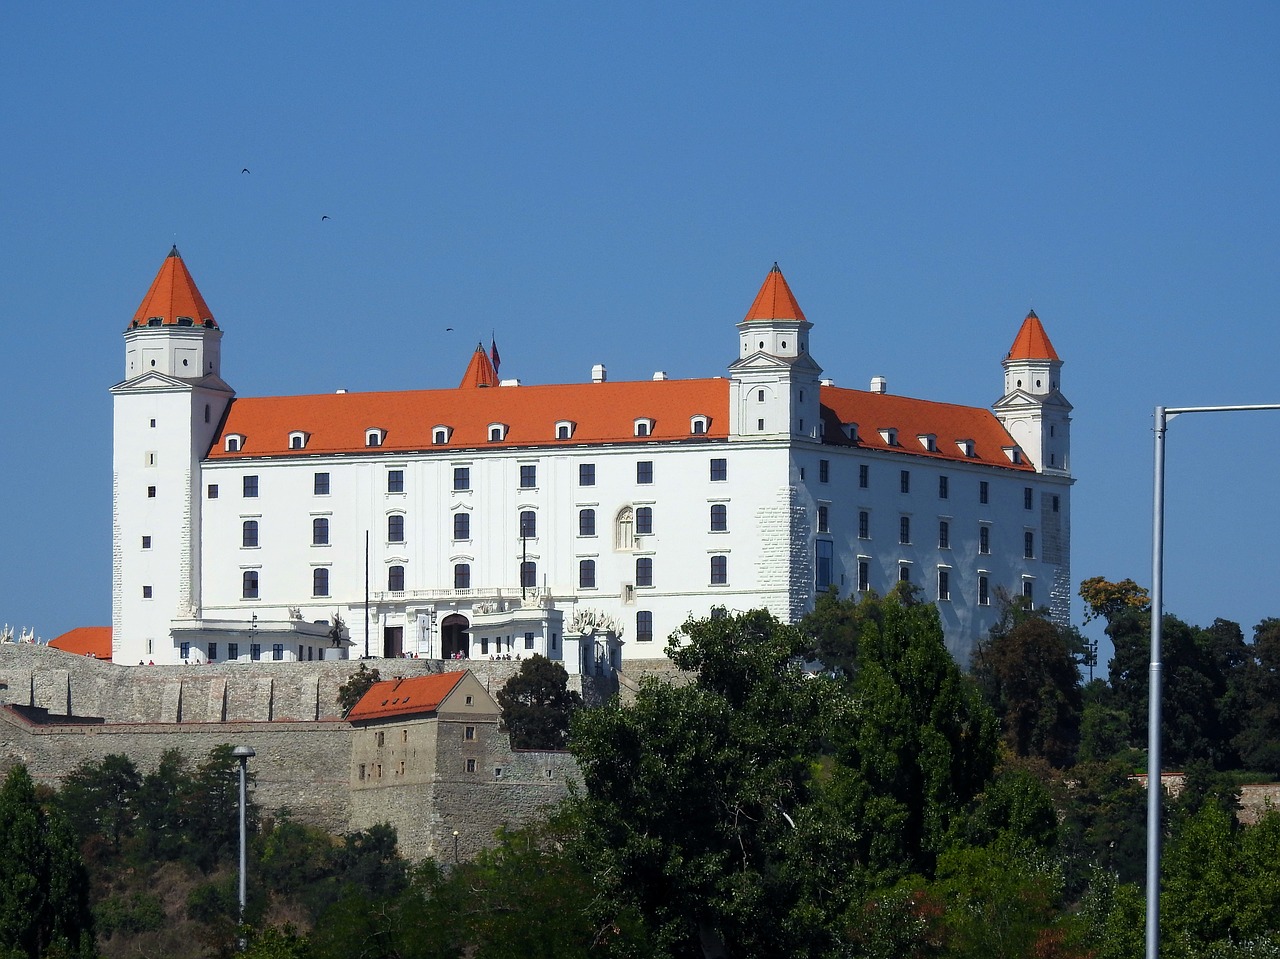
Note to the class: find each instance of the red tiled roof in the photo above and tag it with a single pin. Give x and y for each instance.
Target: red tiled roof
(775, 300)
(603, 412)
(405, 697)
(1032, 342)
(173, 296)
(480, 371)
(914, 418)
(84, 640)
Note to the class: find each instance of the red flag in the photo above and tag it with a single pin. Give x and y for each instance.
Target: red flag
(493, 354)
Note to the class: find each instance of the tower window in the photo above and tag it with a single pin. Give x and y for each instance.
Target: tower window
(395, 528)
(395, 481)
(586, 474)
(719, 570)
(461, 478)
(644, 626)
(944, 534)
(904, 480)
(644, 521)
(719, 470)
(395, 579)
(587, 522)
(864, 576)
(249, 487)
(151, 492)
(984, 591)
(984, 492)
(644, 571)
(146, 542)
(528, 476)
(824, 471)
(249, 534)
(321, 484)
(644, 472)
(1029, 545)
(249, 584)
(944, 585)
(943, 487)
(320, 581)
(864, 476)
(824, 519)
(1027, 497)
(984, 540)
(904, 529)
(720, 517)
(461, 525)
(864, 524)
(462, 576)
(528, 524)
(528, 574)
(320, 531)
(587, 574)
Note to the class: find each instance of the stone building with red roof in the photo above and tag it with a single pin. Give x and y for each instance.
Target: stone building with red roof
(583, 521)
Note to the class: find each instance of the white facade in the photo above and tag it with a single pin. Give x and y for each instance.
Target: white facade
(624, 508)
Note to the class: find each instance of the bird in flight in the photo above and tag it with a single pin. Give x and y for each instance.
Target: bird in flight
(448, 329)
(324, 218)
(245, 170)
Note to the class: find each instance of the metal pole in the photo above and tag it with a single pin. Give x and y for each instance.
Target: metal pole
(1154, 784)
(366, 594)
(242, 753)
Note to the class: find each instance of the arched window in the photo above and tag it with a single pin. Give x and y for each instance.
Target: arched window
(320, 531)
(587, 574)
(719, 517)
(529, 574)
(586, 522)
(644, 571)
(644, 521)
(249, 533)
(395, 579)
(320, 581)
(249, 584)
(625, 529)
(528, 524)
(374, 437)
(395, 528)
(461, 525)
(462, 576)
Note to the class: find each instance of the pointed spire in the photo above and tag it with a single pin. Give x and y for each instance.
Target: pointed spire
(1032, 342)
(480, 370)
(173, 299)
(775, 300)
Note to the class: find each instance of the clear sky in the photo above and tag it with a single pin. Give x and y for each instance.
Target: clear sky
(610, 183)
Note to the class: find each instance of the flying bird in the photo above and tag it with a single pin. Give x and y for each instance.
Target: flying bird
(245, 170)
(324, 218)
(448, 329)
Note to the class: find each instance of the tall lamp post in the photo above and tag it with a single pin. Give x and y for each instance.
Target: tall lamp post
(1155, 787)
(242, 753)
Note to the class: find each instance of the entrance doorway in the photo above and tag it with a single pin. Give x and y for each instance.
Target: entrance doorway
(453, 636)
(393, 641)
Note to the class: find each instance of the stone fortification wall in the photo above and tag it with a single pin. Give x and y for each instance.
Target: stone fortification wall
(299, 765)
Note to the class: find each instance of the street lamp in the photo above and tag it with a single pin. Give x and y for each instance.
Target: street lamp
(1154, 785)
(455, 847)
(242, 753)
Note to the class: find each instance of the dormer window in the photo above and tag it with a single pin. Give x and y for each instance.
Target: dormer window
(234, 443)
(374, 436)
(1014, 453)
(889, 435)
(564, 429)
(644, 426)
(497, 432)
(186, 321)
(851, 431)
(298, 440)
(440, 435)
(929, 441)
(966, 448)
(698, 424)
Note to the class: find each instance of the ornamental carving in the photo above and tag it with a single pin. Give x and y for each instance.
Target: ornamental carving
(588, 622)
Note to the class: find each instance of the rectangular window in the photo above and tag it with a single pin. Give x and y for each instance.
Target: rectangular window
(1055, 504)
(249, 534)
(586, 522)
(644, 521)
(644, 626)
(146, 592)
(644, 472)
(250, 487)
(395, 528)
(151, 492)
(904, 529)
(213, 491)
(864, 476)
(942, 487)
(904, 573)
(255, 651)
(904, 480)
(528, 640)
(824, 519)
(395, 481)
(586, 574)
(184, 650)
(984, 492)
(944, 584)
(528, 574)
(461, 478)
(824, 564)
(944, 534)
(395, 579)
(824, 471)
(1027, 496)
(864, 576)
(320, 582)
(719, 517)
(719, 470)
(321, 485)
(461, 525)
(984, 592)
(211, 651)
(146, 542)
(471, 765)
(1027, 594)
(528, 524)
(462, 576)
(984, 540)
(1029, 545)
(320, 531)
(249, 584)
(470, 733)
(864, 524)
(719, 570)
(528, 476)
(644, 571)
(277, 651)
(586, 474)
(233, 651)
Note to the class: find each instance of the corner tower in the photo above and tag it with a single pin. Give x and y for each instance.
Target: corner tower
(773, 392)
(1033, 409)
(167, 411)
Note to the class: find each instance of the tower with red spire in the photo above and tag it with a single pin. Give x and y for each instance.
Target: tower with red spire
(167, 412)
(1033, 409)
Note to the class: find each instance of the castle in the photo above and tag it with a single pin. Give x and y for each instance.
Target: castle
(581, 521)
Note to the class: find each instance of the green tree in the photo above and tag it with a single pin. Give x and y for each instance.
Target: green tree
(1108, 600)
(101, 799)
(357, 684)
(537, 705)
(1258, 741)
(1029, 673)
(44, 906)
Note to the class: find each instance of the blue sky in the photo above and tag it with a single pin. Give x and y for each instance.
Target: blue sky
(610, 183)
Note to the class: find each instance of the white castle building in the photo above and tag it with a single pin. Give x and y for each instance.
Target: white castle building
(581, 521)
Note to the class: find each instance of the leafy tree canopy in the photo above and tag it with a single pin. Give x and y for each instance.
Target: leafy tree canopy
(537, 705)
(357, 684)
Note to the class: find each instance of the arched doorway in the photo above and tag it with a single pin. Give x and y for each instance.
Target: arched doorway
(453, 636)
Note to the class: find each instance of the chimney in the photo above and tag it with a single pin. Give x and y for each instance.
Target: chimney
(660, 375)
(342, 390)
(598, 373)
(826, 382)
(879, 384)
